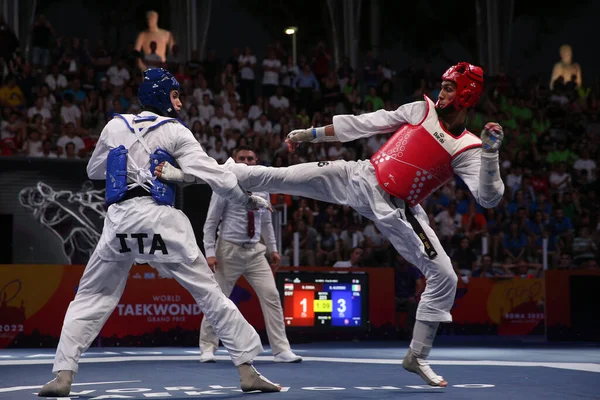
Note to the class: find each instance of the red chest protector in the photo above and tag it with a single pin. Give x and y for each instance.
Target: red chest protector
(417, 159)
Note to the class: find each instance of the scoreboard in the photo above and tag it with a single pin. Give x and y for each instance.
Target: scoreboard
(324, 300)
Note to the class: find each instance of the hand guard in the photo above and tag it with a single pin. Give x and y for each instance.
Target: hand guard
(491, 137)
(174, 174)
(256, 202)
(171, 173)
(301, 135)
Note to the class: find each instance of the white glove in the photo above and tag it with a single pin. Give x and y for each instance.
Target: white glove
(301, 135)
(491, 137)
(257, 202)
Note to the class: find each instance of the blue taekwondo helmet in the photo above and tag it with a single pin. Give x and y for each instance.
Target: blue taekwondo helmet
(154, 93)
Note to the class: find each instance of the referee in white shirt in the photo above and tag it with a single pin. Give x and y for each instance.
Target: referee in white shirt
(238, 252)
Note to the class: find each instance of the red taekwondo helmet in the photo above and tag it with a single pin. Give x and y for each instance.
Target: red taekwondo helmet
(469, 84)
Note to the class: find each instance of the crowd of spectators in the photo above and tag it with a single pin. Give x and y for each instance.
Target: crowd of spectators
(55, 101)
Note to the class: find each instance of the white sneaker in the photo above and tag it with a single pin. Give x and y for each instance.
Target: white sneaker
(207, 357)
(287, 357)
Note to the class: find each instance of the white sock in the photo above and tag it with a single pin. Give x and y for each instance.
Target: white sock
(423, 335)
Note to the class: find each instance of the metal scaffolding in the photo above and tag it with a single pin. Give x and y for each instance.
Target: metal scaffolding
(494, 33)
(18, 14)
(190, 25)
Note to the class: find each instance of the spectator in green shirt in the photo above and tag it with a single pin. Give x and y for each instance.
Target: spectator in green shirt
(561, 154)
(508, 121)
(351, 85)
(540, 123)
(526, 138)
(374, 99)
(475, 122)
(521, 111)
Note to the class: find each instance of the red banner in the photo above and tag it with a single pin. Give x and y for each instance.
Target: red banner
(516, 306)
(34, 300)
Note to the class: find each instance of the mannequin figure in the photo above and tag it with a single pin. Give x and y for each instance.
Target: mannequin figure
(163, 38)
(566, 67)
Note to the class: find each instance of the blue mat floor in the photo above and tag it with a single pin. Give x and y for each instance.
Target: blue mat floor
(329, 371)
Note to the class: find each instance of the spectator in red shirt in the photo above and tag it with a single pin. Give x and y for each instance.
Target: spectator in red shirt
(539, 180)
(474, 223)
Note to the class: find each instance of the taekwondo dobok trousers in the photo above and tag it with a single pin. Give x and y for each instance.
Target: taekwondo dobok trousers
(139, 230)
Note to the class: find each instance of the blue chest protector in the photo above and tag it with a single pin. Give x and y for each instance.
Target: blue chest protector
(163, 193)
(116, 169)
(116, 175)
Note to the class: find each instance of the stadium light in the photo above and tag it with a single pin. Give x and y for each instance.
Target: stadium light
(291, 30)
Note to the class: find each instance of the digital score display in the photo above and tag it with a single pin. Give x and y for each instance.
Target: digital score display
(323, 300)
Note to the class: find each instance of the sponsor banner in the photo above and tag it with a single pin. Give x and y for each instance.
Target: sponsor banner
(515, 306)
(150, 302)
(35, 298)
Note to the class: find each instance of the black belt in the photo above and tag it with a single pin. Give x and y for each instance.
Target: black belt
(133, 193)
(412, 220)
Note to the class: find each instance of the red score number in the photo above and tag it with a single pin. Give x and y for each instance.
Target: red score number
(303, 307)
